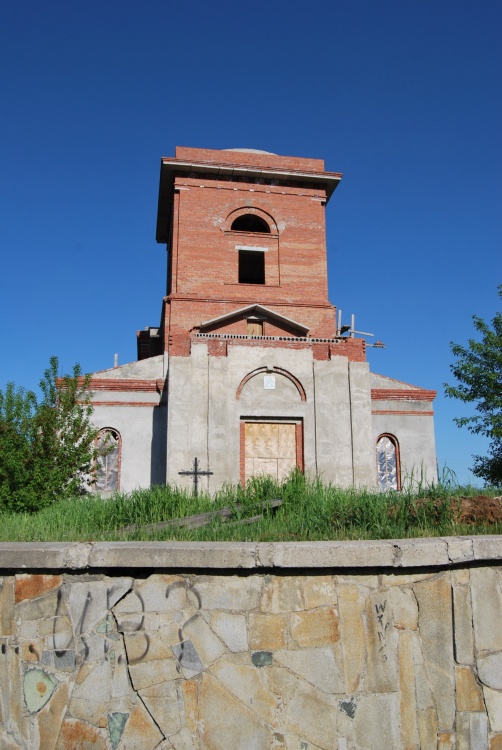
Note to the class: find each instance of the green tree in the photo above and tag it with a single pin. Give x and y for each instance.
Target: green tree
(47, 448)
(478, 370)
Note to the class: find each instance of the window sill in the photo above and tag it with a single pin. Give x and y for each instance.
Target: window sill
(262, 286)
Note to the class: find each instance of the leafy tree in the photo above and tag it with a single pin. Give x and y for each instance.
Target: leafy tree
(479, 372)
(47, 448)
(16, 428)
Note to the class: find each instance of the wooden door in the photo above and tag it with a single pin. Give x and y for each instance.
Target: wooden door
(255, 328)
(270, 449)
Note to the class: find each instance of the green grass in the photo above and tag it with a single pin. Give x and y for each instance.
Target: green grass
(310, 511)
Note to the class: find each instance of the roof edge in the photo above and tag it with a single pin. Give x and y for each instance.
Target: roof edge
(260, 308)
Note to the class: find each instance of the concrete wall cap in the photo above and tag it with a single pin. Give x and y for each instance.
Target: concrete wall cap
(384, 553)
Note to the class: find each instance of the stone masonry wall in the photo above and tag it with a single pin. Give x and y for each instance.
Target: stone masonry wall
(342, 657)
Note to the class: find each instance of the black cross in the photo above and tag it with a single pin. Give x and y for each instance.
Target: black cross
(196, 473)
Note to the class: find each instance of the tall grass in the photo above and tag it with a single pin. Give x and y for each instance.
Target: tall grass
(311, 510)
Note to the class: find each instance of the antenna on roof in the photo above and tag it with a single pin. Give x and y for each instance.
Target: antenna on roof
(351, 330)
(115, 360)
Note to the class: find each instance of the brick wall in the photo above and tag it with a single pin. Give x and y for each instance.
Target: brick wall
(271, 161)
(204, 250)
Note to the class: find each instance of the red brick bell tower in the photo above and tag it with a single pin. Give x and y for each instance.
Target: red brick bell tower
(245, 232)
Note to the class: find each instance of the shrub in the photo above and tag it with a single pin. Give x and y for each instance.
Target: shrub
(47, 447)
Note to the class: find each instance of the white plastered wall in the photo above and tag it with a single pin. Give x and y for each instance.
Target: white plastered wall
(415, 436)
(204, 414)
(140, 419)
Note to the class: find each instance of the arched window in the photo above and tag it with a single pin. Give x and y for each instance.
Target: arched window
(250, 223)
(108, 461)
(388, 469)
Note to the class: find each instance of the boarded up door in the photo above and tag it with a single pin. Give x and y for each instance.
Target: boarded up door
(255, 328)
(270, 448)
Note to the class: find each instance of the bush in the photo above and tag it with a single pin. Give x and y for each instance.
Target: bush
(47, 447)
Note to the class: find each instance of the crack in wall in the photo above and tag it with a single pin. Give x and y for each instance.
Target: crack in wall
(131, 684)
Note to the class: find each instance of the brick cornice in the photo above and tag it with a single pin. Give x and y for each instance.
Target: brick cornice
(248, 300)
(128, 386)
(400, 412)
(400, 394)
(150, 404)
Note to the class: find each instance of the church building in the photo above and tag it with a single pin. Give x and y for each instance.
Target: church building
(249, 371)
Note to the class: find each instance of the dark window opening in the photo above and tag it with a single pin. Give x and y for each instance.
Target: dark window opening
(251, 267)
(250, 223)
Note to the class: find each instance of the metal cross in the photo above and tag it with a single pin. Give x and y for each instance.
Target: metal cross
(196, 473)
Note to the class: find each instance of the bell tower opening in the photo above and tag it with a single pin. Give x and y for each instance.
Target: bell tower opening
(250, 223)
(251, 267)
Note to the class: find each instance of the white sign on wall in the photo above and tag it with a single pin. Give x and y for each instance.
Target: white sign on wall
(269, 382)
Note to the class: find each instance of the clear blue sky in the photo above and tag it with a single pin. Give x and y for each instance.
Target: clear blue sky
(402, 97)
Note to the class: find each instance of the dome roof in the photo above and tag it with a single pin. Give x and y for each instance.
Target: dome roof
(250, 151)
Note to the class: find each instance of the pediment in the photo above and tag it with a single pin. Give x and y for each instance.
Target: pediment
(288, 325)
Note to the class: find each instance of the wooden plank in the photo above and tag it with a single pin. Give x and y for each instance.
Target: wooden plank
(204, 519)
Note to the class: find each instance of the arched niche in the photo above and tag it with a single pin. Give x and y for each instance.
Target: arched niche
(270, 384)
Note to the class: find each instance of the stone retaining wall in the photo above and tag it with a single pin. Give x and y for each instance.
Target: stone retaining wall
(333, 645)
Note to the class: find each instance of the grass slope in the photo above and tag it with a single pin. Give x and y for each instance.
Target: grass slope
(310, 511)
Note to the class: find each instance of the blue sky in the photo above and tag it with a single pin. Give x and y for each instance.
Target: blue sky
(402, 97)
